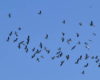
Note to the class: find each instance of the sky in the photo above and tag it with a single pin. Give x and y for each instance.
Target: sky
(15, 64)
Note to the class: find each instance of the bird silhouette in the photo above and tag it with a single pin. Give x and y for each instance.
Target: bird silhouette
(77, 34)
(40, 12)
(67, 57)
(19, 28)
(86, 65)
(91, 23)
(46, 37)
(8, 39)
(9, 15)
(62, 62)
(15, 40)
(73, 47)
(63, 21)
(41, 45)
(83, 72)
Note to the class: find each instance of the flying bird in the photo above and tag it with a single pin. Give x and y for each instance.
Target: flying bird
(91, 23)
(77, 34)
(9, 15)
(40, 12)
(86, 65)
(46, 37)
(73, 47)
(19, 28)
(83, 72)
(63, 21)
(67, 57)
(15, 40)
(62, 62)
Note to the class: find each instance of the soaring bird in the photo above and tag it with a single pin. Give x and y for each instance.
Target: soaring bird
(40, 12)
(10, 34)
(80, 23)
(86, 56)
(33, 55)
(62, 62)
(63, 33)
(9, 15)
(97, 60)
(41, 45)
(16, 33)
(8, 39)
(19, 28)
(77, 34)
(77, 61)
(67, 57)
(15, 40)
(28, 39)
(83, 72)
(91, 23)
(63, 21)
(62, 39)
(38, 60)
(53, 57)
(69, 40)
(86, 65)
(73, 47)
(46, 37)
(33, 49)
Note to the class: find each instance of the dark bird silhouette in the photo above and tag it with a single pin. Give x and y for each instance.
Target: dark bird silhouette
(62, 39)
(97, 60)
(69, 40)
(63, 33)
(41, 45)
(15, 40)
(86, 65)
(26, 50)
(91, 23)
(67, 57)
(85, 43)
(19, 45)
(46, 37)
(8, 39)
(80, 57)
(86, 56)
(40, 12)
(77, 34)
(10, 34)
(33, 49)
(38, 60)
(53, 57)
(9, 15)
(62, 62)
(96, 57)
(78, 42)
(63, 21)
(80, 23)
(77, 61)
(19, 28)
(83, 72)
(33, 55)
(16, 34)
(99, 65)
(28, 40)
(73, 47)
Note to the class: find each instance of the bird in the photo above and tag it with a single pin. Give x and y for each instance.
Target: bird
(96, 57)
(92, 57)
(8, 39)
(91, 23)
(53, 57)
(69, 40)
(46, 37)
(80, 23)
(78, 42)
(62, 39)
(62, 62)
(77, 34)
(15, 40)
(38, 60)
(16, 33)
(28, 39)
(73, 47)
(19, 28)
(9, 15)
(40, 12)
(86, 56)
(86, 65)
(67, 57)
(99, 65)
(19, 46)
(80, 57)
(10, 34)
(97, 60)
(83, 72)
(41, 45)
(63, 21)
(33, 55)
(63, 33)
(77, 61)
(33, 49)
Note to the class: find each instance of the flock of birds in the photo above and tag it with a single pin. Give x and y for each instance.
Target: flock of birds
(59, 53)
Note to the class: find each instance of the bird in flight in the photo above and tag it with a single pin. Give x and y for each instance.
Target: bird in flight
(77, 34)
(63, 21)
(83, 72)
(46, 37)
(73, 47)
(62, 62)
(19, 28)
(40, 12)
(9, 15)
(91, 23)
